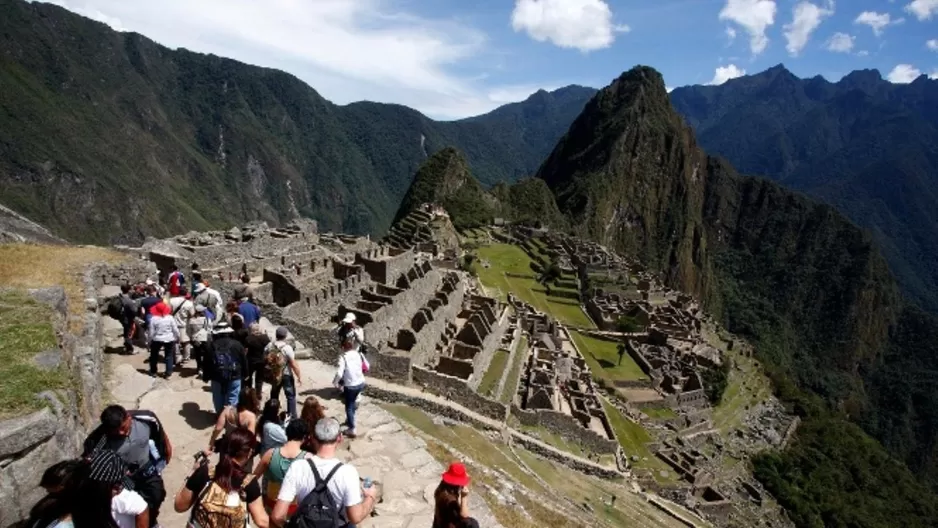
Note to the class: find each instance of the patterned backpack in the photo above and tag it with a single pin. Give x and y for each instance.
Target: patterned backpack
(217, 508)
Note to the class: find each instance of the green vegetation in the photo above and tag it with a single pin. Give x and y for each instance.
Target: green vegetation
(494, 373)
(602, 356)
(25, 331)
(716, 380)
(510, 271)
(634, 439)
(659, 413)
(552, 439)
(517, 367)
(527, 202)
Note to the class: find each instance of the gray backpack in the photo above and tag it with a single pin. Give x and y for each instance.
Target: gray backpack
(318, 509)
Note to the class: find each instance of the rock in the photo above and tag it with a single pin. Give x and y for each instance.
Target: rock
(108, 291)
(54, 297)
(48, 359)
(233, 234)
(663, 474)
(19, 434)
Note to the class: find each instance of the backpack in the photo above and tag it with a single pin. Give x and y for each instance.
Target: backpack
(318, 509)
(213, 511)
(274, 363)
(115, 308)
(225, 365)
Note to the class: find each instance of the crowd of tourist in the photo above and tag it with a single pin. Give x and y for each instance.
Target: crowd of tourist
(274, 467)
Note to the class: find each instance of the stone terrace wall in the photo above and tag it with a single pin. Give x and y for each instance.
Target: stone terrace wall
(567, 427)
(392, 317)
(459, 392)
(569, 461)
(490, 344)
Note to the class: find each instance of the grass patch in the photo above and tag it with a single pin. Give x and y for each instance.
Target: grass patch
(25, 330)
(494, 373)
(659, 413)
(552, 439)
(634, 439)
(603, 358)
(505, 259)
(517, 365)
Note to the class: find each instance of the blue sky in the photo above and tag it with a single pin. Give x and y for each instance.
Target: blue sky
(456, 58)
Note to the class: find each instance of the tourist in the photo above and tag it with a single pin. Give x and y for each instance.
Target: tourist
(60, 482)
(290, 377)
(138, 438)
(230, 494)
(231, 313)
(196, 275)
(272, 430)
(175, 281)
(105, 484)
(249, 311)
(224, 366)
(147, 303)
(349, 330)
(182, 309)
(128, 317)
(276, 461)
(242, 416)
(256, 344)
(199, 329)
(244, 290)
(210, 299)
(311, 413)
(348, 502)
(162, 334)
(350, 378)
(452, 500)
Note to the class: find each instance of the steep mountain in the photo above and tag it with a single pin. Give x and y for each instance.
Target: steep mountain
(808, 287)
(864, 145)
(101, 129)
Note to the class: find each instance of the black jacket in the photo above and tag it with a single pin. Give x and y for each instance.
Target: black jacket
(146, 417)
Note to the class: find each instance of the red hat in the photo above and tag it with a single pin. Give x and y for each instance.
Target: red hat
(456, 475)
(161, 309)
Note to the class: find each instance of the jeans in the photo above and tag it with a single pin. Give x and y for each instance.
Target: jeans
(289, 390)
(225, 393)
(349, 397)
(256, 371)
(169, 353)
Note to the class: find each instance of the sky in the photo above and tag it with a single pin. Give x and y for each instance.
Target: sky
(457, 58)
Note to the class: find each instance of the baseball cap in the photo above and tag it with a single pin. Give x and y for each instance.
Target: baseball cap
(349, 317)
(282, 332)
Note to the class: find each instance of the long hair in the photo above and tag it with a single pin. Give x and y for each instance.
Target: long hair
(93, 502)
(62, 477)
(447, 512)
(311, 413)
(229, 474)
(248, 400)
(271, 414)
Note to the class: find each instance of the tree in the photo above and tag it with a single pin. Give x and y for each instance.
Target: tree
(621, 349)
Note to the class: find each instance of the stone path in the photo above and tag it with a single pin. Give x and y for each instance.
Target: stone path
(384, 451)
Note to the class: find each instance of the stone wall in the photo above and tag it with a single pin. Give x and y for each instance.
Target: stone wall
(458, 391)
(30, 444)
(567, 427)
(565, 459)
(425, 405)
(491, 343)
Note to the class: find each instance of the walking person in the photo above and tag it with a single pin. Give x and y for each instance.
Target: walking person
(182, 310)
(128, 317)
(210, 299)
(256, 344)
(175, 281)
(60, 482)
(162, 334)
(273, 433)
(290, 375)
(199, 329)
(311, 413)
(139, 440)
(244, 416)
(350, 378)
(325, 489)
(349, 330)
(224, 367)
(249, 311)
(227, 496)
(451, 509)
(276, 461)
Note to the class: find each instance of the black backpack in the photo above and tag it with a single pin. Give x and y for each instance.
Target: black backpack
(115, 308)
(224, 364)
(318, 509)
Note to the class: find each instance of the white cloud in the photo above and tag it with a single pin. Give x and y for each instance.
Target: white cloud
(863, 53)
(923, 9)
(755, 16)
(932, 44)
(725, 73)
(93, 14)
(730, 34)
(903, 74)
(348, 50)
(876, 21)
(933, 75)
(841, 43)
(806, 17)
(585, 25)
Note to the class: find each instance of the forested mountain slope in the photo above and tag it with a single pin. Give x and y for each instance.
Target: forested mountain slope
(864, 145)
(109, 137)
(808, 287)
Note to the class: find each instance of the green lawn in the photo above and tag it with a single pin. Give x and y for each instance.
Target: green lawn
(602, 356)
(494, 373)
(517, 365)
(25, 330)
(663, 413)
(507, 258)
(633, 439)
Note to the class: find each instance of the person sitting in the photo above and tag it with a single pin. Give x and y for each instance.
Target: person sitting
(276, 462)
(323, 486)
(244, 415)
(452, 499)
(227, 495)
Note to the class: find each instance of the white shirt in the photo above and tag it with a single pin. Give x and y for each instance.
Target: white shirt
(126, 506)
(219, 304)
(299, 481)
(163, 329)
(350, 369)
(183, 308)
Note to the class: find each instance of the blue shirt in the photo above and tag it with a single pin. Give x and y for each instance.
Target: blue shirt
(250, 313)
